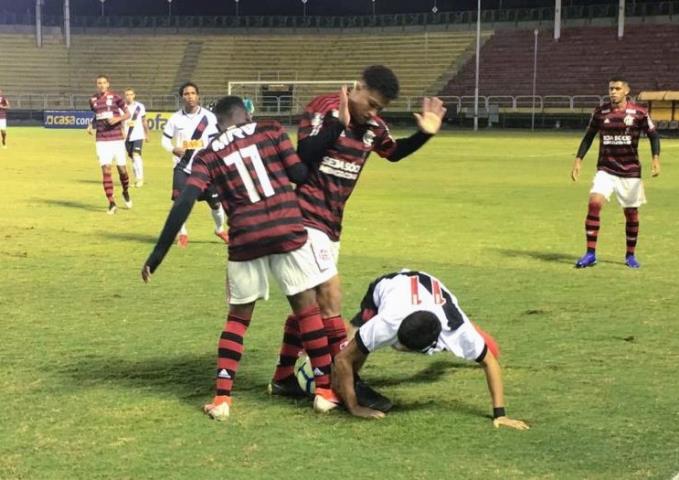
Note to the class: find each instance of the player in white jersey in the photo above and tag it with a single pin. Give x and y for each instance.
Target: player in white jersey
(186, 132)
(414, 311)
(136, 133)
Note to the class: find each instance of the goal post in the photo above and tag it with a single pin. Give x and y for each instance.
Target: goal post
(283, 97)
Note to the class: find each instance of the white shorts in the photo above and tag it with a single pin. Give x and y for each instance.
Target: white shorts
(3, 124)
(629, 191)
(294, 271)
(110, 152)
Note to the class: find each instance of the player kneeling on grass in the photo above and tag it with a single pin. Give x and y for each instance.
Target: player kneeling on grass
(414, 312)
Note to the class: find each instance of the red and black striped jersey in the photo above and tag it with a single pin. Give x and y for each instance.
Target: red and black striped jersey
(332, 179)
(619, 130)
(107, 105)
(3, 103)
(248, 164)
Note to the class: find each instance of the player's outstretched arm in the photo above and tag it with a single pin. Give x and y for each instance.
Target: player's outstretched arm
(433, 111)
(344, 367)
(176, 218)
(493, 373)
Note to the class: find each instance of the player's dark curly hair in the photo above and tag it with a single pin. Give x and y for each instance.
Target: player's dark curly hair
(382, 79)
(188, 84)
(419, 330)
(226, 106)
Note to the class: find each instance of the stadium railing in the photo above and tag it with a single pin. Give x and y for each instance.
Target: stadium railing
(286, 105)
(514, 15)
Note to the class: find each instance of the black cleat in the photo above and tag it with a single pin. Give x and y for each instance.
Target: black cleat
(367, 397)
(288, 387)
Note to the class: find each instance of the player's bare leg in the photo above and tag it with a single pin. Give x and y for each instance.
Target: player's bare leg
(4, 138)
(592, 224)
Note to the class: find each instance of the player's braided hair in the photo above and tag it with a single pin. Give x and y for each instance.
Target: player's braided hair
(382, 79)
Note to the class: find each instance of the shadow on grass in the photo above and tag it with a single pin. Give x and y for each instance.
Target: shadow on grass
(150, 239)
(188, 378)
(553, 257)
(99, 207)
(432, 373)
(89, 181)
(447, 405)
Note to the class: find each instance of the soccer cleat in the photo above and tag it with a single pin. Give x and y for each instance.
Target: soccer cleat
(139, 183)
(182, 240)
(224, 235)
(287, 387)
(587, 260)
(367, 397)
(632, 262)
(325, 400)
(112, 207)
(128, 200)
(219, 409)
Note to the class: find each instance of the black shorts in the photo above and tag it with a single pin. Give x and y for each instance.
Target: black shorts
(209, 195)
(133, 146)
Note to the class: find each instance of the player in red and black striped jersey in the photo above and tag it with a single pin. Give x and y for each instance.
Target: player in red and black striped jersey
(619, 124)
(337, 133)
(110, 110)
(251, 166)
(4, 106)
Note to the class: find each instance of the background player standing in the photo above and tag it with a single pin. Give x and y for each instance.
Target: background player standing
(4, 106)
(109, 110)
(186, 132)
(136, 133)
(619, 123)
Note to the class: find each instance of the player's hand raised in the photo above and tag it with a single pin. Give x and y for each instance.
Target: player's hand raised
(146, 273)
(433, 111)
(344, 113)
(511, 423)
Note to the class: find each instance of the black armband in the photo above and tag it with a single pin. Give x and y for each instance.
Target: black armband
(654, 137)
(406, 146)
(499, 412)
(312, 148)
(586, 143)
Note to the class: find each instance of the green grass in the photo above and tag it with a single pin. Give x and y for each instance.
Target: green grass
(102, 376)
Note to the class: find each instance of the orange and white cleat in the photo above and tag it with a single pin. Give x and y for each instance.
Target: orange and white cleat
(219, 409)
(325, 400)
(224, 235)
(182, 240)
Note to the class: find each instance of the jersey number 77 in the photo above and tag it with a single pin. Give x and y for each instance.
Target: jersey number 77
(237, 158)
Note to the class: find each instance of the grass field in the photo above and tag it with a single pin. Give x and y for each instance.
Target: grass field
(103, 377)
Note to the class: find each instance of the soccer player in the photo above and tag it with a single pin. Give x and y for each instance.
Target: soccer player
(619, 123)
(137, 132)
(336, 134)
(4, 106)
(186, 132)
(109, 111)
(413, 311)
(251, 164)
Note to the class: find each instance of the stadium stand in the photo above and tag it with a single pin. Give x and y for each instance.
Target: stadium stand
(424, 61)
(580, 63)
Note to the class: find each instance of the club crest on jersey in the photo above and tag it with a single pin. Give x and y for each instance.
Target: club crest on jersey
(629, 120)
(369, 138)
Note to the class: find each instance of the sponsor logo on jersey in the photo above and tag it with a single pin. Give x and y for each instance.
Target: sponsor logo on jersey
(192, 144)
(339, 168)
(617, 139)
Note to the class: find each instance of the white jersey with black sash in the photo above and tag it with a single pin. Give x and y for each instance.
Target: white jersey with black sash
(191, 131)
